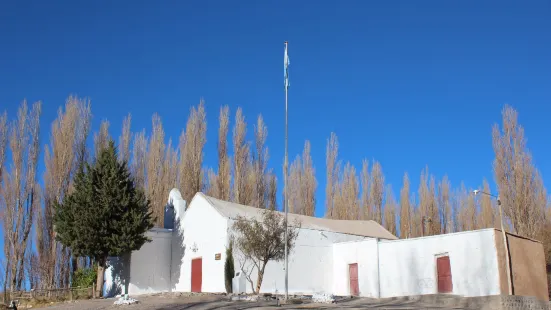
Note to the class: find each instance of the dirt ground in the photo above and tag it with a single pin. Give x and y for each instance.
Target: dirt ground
(204, 302)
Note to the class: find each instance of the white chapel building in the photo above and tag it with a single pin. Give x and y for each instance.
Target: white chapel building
(338, 257)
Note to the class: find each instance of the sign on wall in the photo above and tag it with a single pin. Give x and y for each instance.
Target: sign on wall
(217, 256)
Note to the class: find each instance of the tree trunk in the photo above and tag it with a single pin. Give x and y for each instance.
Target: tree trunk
(99, 282)
(260, 277)
(53, 261)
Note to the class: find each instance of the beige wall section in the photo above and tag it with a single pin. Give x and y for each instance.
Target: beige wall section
(527, 266)
(501, 262)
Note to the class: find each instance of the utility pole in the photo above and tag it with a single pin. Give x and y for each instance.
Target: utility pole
(286, 168)
(424, 220)
(506, 248)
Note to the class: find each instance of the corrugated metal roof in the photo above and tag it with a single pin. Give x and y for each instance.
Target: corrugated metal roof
(359, 228)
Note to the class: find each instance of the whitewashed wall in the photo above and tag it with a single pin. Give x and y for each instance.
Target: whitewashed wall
(408, 266)
(363, 253)
(310, 264)
(206, 230)
(150, 266)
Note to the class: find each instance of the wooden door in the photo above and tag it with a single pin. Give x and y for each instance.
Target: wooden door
(196, 274)
(444, 272)
(353, 272)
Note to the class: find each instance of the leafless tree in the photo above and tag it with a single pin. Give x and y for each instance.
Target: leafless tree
(139, 159)
(466, 210)
(224, 168)
(272, 191)
(3, 141)
(519, 182)
(260, 162)
(66, 151)
(303, 184)
(101, 139)
(19, 191)
(242, 187)
(154, 174)
(365, 199)
(259, 241)
(332, 152)
(486, 217)
(390, 211)
(377, 185)
(405, 209)
(124, 140)
(444, 205)
(427, 204)
(192, 142)
(347, 205)
(436, 225)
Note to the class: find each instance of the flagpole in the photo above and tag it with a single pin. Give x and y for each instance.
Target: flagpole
(286, 201)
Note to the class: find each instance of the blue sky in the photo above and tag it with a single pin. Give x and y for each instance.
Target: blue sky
(409, 83)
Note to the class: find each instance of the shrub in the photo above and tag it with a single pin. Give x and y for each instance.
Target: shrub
(229, 270)
(85, 277)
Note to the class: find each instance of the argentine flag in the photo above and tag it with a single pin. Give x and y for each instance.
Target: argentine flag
(286, 63)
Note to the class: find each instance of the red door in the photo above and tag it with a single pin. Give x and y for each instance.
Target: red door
(444, 272)
(354, 287)
(196, 274)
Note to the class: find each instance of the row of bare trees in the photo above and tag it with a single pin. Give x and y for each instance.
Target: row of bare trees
(158, 165)
(436, 207)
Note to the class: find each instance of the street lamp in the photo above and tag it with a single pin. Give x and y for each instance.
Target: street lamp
(509, 281)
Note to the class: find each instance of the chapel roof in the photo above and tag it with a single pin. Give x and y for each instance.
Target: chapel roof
(351, 227)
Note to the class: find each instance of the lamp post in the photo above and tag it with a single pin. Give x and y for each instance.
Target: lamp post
(505, 243)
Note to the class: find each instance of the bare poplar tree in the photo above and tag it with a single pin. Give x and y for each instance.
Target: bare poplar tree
(139, 159)
(124, 140)
(365, 200)
(101, 139)
(260, 161)
(294, 182)
(66, 151)
(347, 205)
(486, 216)
(224, 169)
(444, 205)
(272, 191)
(20, 199)
(309, 182)
(466, 210)
(210, 183)
(192, 142)
(3, 141)
(377, 191)
(332, 152)
(390, 211)
(154, 172)
(519, 182)
(405, 209)
(302, 184)
(170, 175)
(429, 218)
(435, 222)
(242, 187)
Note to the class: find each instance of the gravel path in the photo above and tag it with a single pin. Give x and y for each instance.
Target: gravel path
(208, 302)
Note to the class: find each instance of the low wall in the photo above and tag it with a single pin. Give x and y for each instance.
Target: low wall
(150, 266)
(528, 269)
(363, 253)
(408, 266)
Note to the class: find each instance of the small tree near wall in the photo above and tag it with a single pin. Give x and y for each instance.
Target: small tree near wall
(262, 240)
(229, 269)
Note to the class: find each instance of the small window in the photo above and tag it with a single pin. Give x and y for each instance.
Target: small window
(237, 274)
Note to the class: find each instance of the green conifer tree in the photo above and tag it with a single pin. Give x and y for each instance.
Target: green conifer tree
(105, 215)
